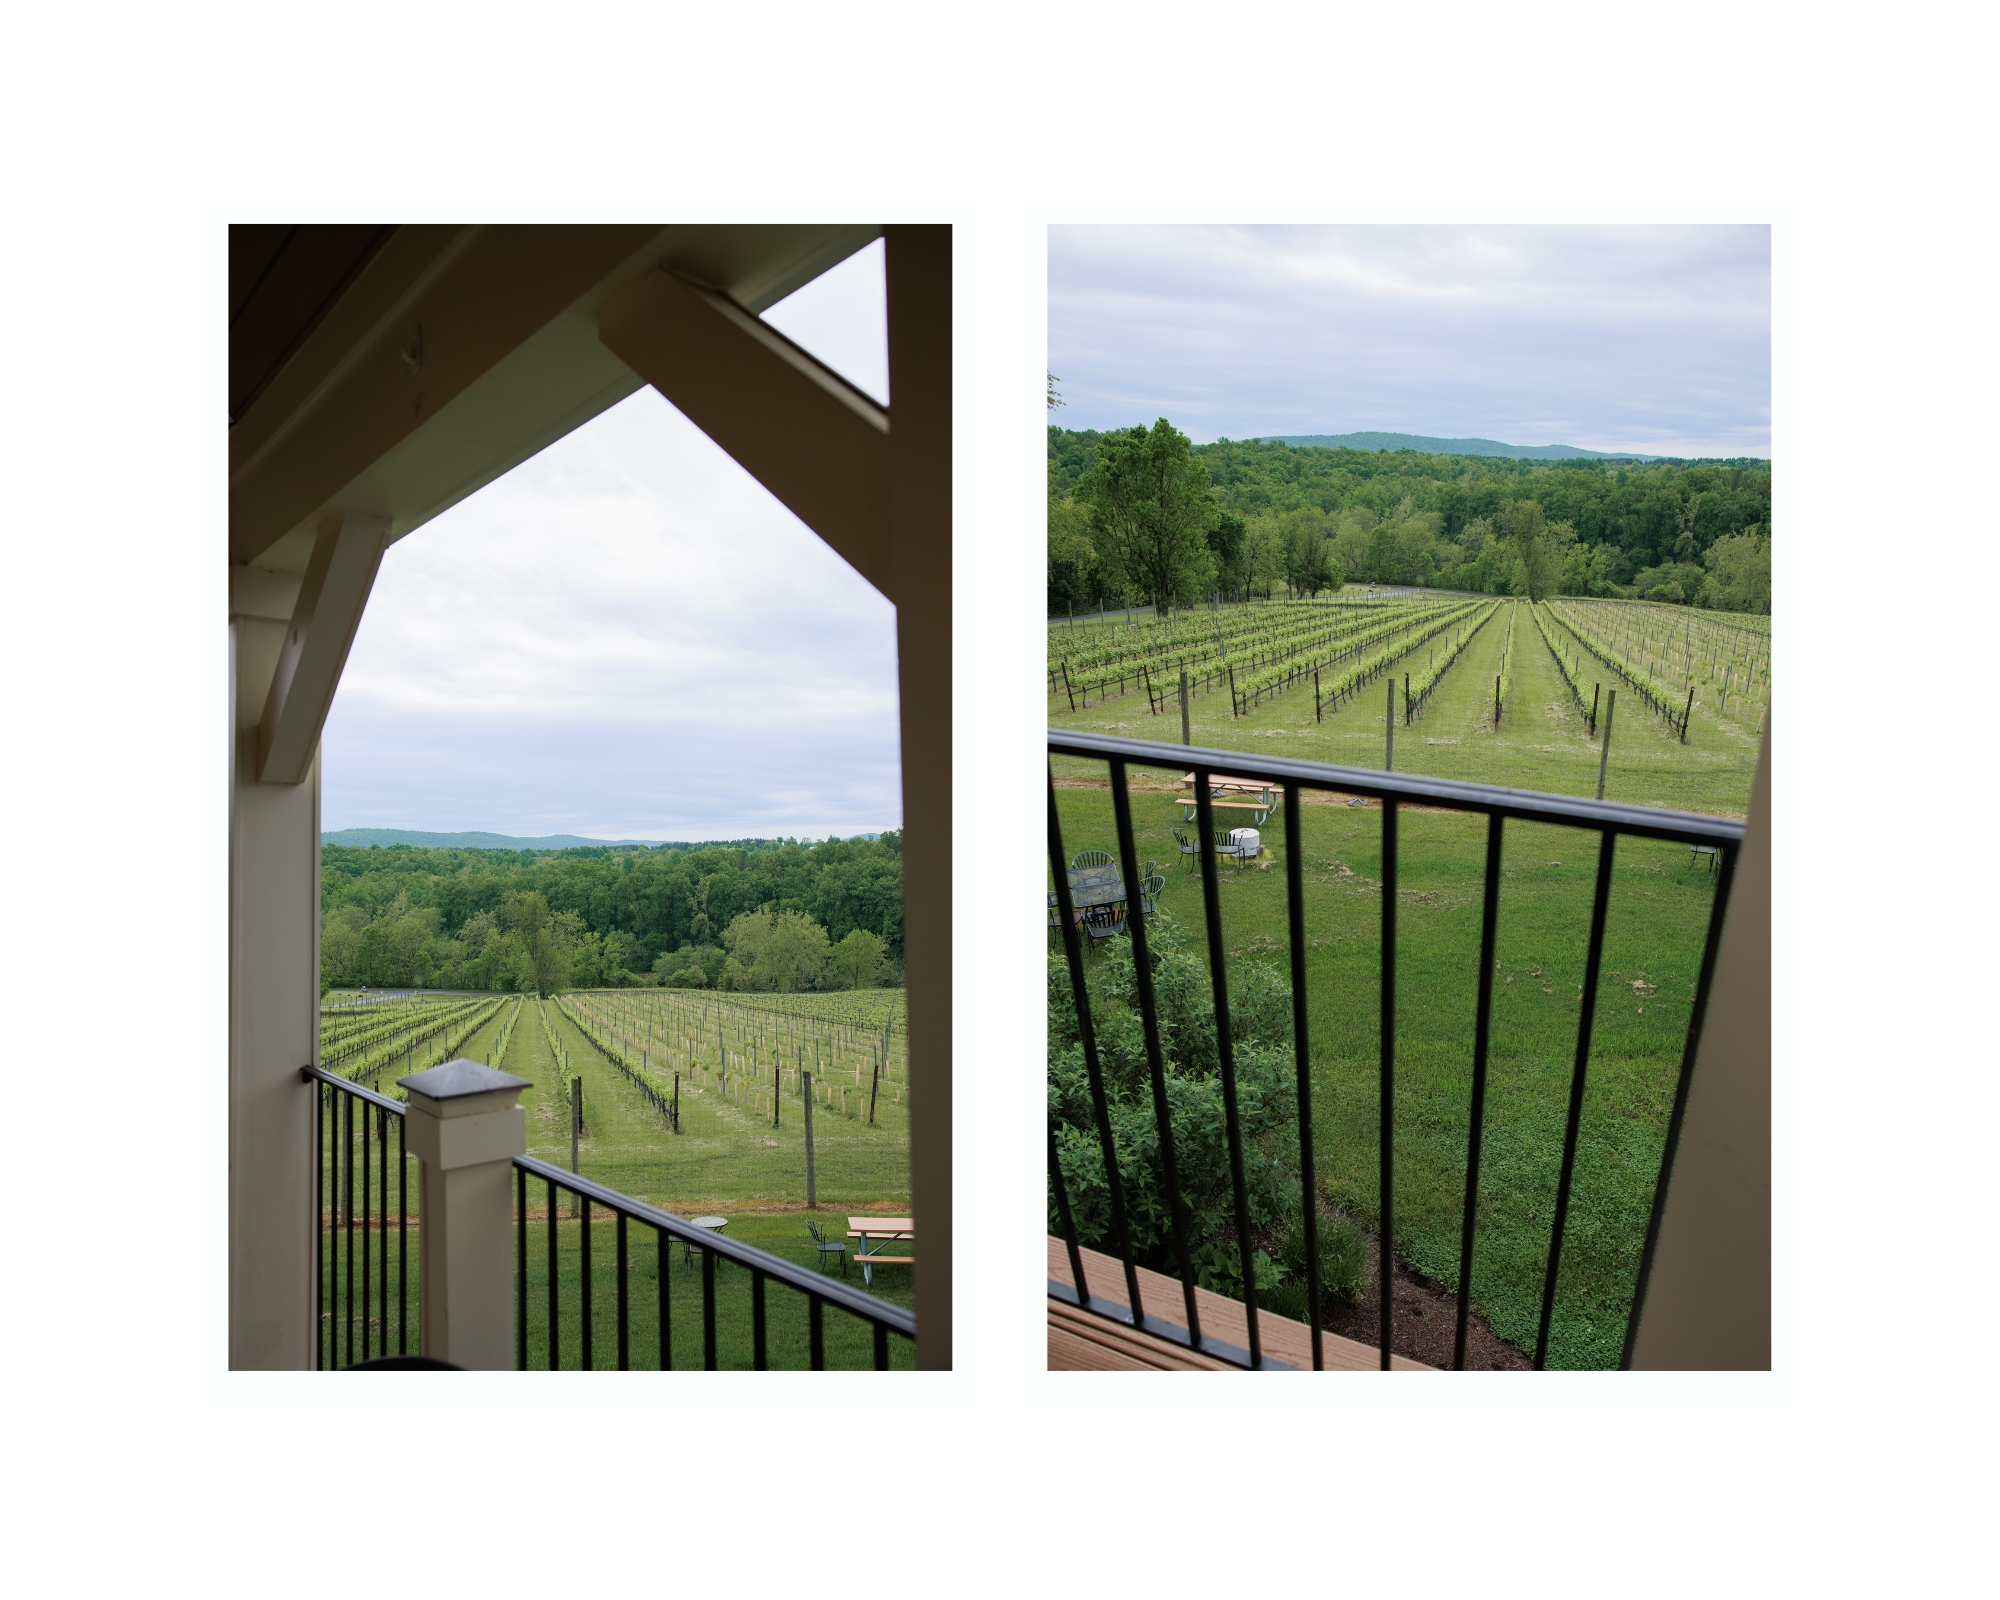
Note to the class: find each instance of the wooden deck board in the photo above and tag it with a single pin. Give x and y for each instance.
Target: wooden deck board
(1079, 1341)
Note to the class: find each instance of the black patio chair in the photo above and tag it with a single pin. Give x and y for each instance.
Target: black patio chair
(1104, 922)
(1090, 858)
(826, 1247)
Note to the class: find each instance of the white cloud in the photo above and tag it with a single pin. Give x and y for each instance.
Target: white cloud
(625, 637)
(1647, 338)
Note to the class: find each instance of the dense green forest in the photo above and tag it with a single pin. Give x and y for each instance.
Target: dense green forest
(777, 915)
(1143, 513)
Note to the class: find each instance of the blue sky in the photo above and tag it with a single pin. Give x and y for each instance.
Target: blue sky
(1655, 339)
(627, 637)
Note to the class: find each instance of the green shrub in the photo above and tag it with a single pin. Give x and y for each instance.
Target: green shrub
(1287, 1299)
(1260, 1018)
(1218, 1267)
(1342, 1257)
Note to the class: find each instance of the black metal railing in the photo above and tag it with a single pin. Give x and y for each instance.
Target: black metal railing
(365, 1275)
(1610, 821)
(820, 1290)
(357, 1208)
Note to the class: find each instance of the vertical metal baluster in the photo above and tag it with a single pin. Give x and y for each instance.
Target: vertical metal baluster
(347, 1304)
(1386, 1253)
(667, 1339)
(1067, 1221)
(402, 1236)
(1482, 1037)
(1308, 1171)
(1583, 1029)
(1725, 876)
(757, 1359)
(1225, 1049)
(555, 1299)
(624, 1319)
(1107, 1149)
(816, 1321)
(1149, 1019)
(382, 1132)
(881, 1348)
(323, 1197)
(520, 1269)
(367, 1156)
(708, 1310)
(584, 1278)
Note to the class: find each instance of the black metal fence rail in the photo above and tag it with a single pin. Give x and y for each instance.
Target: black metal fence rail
(820, 1291)
(357, 1263)
(354, 1214)
(1609, 820)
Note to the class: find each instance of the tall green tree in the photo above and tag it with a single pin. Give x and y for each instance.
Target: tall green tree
(1150, 495)
(1310, 561)
(1226, 537)
(545, 941)
(856, 962)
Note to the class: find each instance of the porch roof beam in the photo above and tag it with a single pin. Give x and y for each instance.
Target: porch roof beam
(816, 442)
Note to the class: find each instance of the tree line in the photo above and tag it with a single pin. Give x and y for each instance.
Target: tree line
(1143, 515)
(779, 916)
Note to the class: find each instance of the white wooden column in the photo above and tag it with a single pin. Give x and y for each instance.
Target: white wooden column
(465, 1128)
(273, 1029)
(1708, 1306)
(289, 636)
(919, 283)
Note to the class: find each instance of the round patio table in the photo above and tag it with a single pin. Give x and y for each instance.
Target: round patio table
(713, 1224)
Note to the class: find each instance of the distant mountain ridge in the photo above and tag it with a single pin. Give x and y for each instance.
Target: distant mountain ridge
(1452, 447)
(361, 838)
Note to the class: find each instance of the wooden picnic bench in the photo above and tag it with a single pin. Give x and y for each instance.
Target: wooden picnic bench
(888, 1230)
(1223, 783)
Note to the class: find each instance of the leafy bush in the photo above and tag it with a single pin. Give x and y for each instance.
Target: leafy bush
(1260, 1028)
(1218, 1267)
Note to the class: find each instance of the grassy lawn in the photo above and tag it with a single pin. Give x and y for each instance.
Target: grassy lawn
(1657, 918)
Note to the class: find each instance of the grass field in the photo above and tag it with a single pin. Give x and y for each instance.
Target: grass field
(1657, 918)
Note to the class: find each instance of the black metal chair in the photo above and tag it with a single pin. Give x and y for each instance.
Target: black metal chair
(1090, 858)
(1150, 888)
(825, 1247)
(1224, 845)
(1104, 922)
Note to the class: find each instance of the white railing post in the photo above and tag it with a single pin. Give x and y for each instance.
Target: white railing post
(465, 1129)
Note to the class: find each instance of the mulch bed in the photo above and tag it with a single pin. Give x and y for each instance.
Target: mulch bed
(1425, 1322)
(1425, 1325)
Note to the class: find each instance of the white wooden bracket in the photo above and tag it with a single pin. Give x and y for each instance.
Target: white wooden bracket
(347, 552)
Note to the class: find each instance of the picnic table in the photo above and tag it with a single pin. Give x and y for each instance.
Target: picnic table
(880, 1231)
(1221, 785)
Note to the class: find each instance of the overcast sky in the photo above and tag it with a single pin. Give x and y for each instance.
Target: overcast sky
(1654, 339)
(627, 637)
